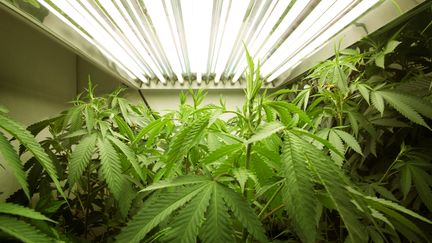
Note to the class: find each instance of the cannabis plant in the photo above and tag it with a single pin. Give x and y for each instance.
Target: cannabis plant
(341, 156)
(273, 162)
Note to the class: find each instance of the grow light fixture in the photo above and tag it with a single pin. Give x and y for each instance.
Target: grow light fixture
(164, 44)
(168, 42)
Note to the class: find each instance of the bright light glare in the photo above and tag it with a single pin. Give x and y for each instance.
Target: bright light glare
(160, 21)
(202, 39)
(260, 50)
(359, 9)
(129, 70)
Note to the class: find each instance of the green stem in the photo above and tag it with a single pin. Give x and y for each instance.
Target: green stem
(391, 166)
(87, 205)
(248, 157)
(269, 202)
(273, 211)
(247, 163)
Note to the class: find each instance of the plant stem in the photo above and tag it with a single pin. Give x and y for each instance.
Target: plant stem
(248, 156)
(273, 211)
(87, 205)
(269, 201)
(392, 164)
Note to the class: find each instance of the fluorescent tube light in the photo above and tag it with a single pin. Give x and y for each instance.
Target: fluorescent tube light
(202, 40)
(128, 69)
(314, 45)
(273, 35)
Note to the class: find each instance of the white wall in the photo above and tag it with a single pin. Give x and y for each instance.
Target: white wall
(165, 100)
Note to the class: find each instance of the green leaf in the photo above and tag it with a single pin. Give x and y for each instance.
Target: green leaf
(377, 101)
(391, 46)
(14, 162)
(249, 75)
(363, 89)
(265, 131)
(340, 77)
(405, 180)
(243, 212)
(89, 118)
(420, 178)
(15, 209)
(22, 231)
(281, 92)
(34, 147)
(320, 140)
(147, 129)
(37, 127)
(80, 158)
(153, 133)
(111, 167)
(353, 121)
(283, 113)
(422, 106)
(283, 105)
(177, 181)
(384, 192)
(388, 208)
(403, 106)
(187, 224)
(380, 216)
(389, 204)
(269, 157)
(379, 60)
(298, 189)
(389, 122)
(74, 118)
(225, 149)
(241, 174)
(184, 140)
(217, 228)
(155, 212)
(335, 183)
(77, 133)
(336, 141)
(349, 140)
(124, 128)
(128, 194)
(130, 155)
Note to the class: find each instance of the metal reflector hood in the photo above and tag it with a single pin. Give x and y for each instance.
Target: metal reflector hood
(200, 43)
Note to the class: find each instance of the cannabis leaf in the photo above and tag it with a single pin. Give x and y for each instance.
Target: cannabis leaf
(330, 176)
(298, 192)
(130, 155)
(156, 211)
(33, 146)
(22, 230)
(184, 140)
(265, 131)
(15, 209)
(404, 224)
(224, 150)
(190, 219)
(80, 157)
(217, 228)
(14, 163)
(409, 106)
(111, 167)
(198, 202)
